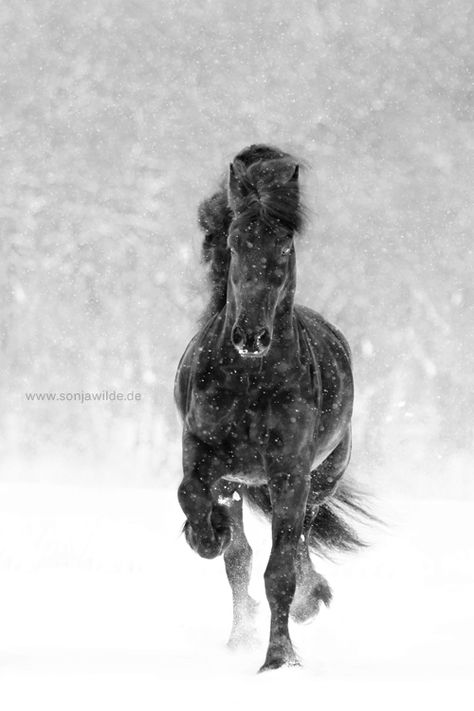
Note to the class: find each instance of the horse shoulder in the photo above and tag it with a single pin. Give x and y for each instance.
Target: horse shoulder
(321, 332)
(182, 381)
(330, 356)
(204, 390)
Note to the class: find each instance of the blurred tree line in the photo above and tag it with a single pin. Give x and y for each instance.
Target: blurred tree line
(119, 116)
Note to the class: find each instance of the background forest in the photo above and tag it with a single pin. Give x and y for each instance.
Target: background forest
(118, 117)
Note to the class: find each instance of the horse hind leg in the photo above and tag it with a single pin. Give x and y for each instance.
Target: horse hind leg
(312, 588)
(238, 566)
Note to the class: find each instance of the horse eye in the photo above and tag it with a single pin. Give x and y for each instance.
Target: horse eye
(285, 251)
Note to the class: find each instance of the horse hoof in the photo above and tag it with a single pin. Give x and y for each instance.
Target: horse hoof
(279, 655)
(208, 545)
(306, 603)
(251, 607)
(243, 639)
(244, 632)
(278, 662)
(212, 549)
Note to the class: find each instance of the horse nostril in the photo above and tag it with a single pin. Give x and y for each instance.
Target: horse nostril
(263, 338)
(237, 336)
(251, 342)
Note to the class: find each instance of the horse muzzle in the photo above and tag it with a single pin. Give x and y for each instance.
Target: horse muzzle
(251, 343)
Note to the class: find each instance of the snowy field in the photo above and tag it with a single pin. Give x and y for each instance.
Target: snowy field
(103, 606)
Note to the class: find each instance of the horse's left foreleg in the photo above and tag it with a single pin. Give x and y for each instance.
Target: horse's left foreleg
(288, 491)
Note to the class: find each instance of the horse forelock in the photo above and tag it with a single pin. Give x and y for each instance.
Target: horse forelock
(267, 190)
(269, 196)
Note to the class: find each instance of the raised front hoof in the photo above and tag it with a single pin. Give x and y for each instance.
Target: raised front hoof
(208, 544)
(307, 601)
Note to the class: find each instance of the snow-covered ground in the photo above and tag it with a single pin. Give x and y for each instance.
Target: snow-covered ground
(103, 606)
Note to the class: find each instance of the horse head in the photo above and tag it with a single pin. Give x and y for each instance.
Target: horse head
(263, 197)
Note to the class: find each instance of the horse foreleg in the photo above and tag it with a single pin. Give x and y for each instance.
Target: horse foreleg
(238, 566)
(288, 494)
(207, 526)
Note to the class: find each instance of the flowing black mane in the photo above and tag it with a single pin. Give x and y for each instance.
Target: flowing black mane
(266, 195)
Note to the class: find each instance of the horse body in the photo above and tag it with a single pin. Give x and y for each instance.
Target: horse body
(265, 392)
(248, 409)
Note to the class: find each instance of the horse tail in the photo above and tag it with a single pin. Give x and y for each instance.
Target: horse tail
(333, 525)
(332, 528)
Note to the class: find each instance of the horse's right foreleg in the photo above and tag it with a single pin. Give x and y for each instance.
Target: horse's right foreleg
(238, 566)
(207, 526)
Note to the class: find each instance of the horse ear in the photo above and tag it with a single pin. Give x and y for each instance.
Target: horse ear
(232, 178)
(291, 174)
(283, 172)
(294, 177)
(236, 190)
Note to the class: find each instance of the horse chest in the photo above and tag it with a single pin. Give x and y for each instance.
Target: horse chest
(216, 403)
(251, 429)
(211, 412)
(260, 412)
(274, 419)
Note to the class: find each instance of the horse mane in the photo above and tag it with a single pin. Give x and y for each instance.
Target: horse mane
(214, 217)
(267, 190)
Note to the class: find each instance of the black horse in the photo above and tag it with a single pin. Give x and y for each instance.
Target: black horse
(265, 391)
